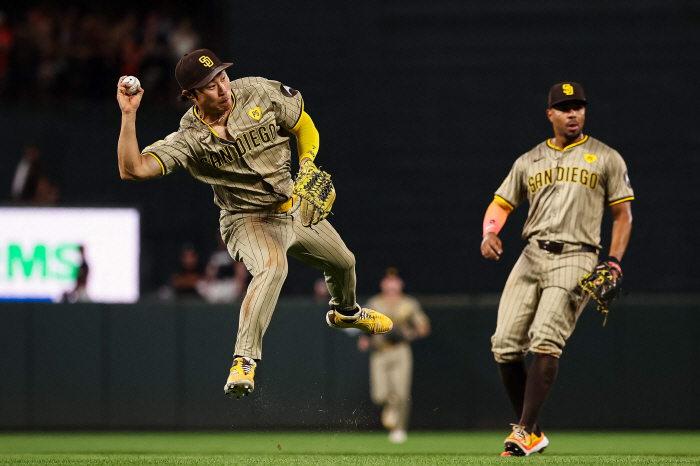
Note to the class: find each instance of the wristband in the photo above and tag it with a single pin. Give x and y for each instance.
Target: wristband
(614, 263)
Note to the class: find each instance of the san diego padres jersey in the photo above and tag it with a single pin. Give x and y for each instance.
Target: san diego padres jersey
(567, 189)
(251, 169)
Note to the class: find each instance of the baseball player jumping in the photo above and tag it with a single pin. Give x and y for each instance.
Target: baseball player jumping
(567, 180)
(236, 138)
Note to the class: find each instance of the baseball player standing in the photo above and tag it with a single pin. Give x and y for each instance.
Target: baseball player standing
(567, 180)
(391, 359)
(236, 138)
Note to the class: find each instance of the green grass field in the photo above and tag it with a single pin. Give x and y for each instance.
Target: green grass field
(300, 448)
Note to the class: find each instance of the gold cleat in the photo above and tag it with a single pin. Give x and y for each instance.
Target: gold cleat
(240, 380)
(367, 320)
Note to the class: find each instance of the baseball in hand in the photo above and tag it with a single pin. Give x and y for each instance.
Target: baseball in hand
(133, 84)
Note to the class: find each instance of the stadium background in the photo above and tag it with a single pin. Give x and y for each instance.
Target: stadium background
(422, 109)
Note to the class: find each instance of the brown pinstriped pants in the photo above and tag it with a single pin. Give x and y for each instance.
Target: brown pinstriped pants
(262, 241)
(540, 303)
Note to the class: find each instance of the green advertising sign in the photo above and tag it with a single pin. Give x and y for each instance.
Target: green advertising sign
(59, 263)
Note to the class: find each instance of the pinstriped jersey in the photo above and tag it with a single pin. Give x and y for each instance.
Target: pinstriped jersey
(250, 167)
(567, 189)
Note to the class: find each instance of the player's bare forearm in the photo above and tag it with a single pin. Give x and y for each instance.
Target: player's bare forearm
(622, 228)
(495, 218)
(132, 165)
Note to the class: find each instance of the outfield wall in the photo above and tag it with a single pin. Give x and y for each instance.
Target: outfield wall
(164, 366)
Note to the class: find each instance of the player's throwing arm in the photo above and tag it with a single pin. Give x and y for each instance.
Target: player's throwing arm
(132, 165)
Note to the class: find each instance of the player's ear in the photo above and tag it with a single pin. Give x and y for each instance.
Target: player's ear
(549, 114)
(188, 95)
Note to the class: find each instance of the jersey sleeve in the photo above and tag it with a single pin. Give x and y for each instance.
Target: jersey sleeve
(288, 103)
(513, 189)
(170, 152)
(418, 317)
(618, 187)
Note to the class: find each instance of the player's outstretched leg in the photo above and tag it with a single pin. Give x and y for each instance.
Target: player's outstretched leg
(240, 379)
(322, 248)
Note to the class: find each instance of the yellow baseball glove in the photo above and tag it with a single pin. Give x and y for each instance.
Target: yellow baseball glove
(317, 194)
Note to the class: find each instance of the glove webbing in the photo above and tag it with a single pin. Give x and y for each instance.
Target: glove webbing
(318, 187)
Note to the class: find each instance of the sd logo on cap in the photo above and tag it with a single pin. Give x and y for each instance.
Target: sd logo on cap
(190, 73)
(563, 92)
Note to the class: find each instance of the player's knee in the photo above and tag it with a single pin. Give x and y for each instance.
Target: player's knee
(506, 358)
(548, 348)
(280, 272)
(547, 341)
(348, 262)
(350, 258)
(505, 349)
(276, 270)
(505, 353)
(545, 345)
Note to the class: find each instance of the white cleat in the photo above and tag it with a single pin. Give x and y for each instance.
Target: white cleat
(397, 436)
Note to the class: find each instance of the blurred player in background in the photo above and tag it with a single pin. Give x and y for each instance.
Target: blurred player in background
(391, 359)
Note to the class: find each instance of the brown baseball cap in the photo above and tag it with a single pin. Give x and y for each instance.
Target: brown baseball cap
(195, 69)
(563, 92)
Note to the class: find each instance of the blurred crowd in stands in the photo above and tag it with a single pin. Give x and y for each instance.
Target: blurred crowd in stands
(221, 280)
(55, 53)
(32, 184)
